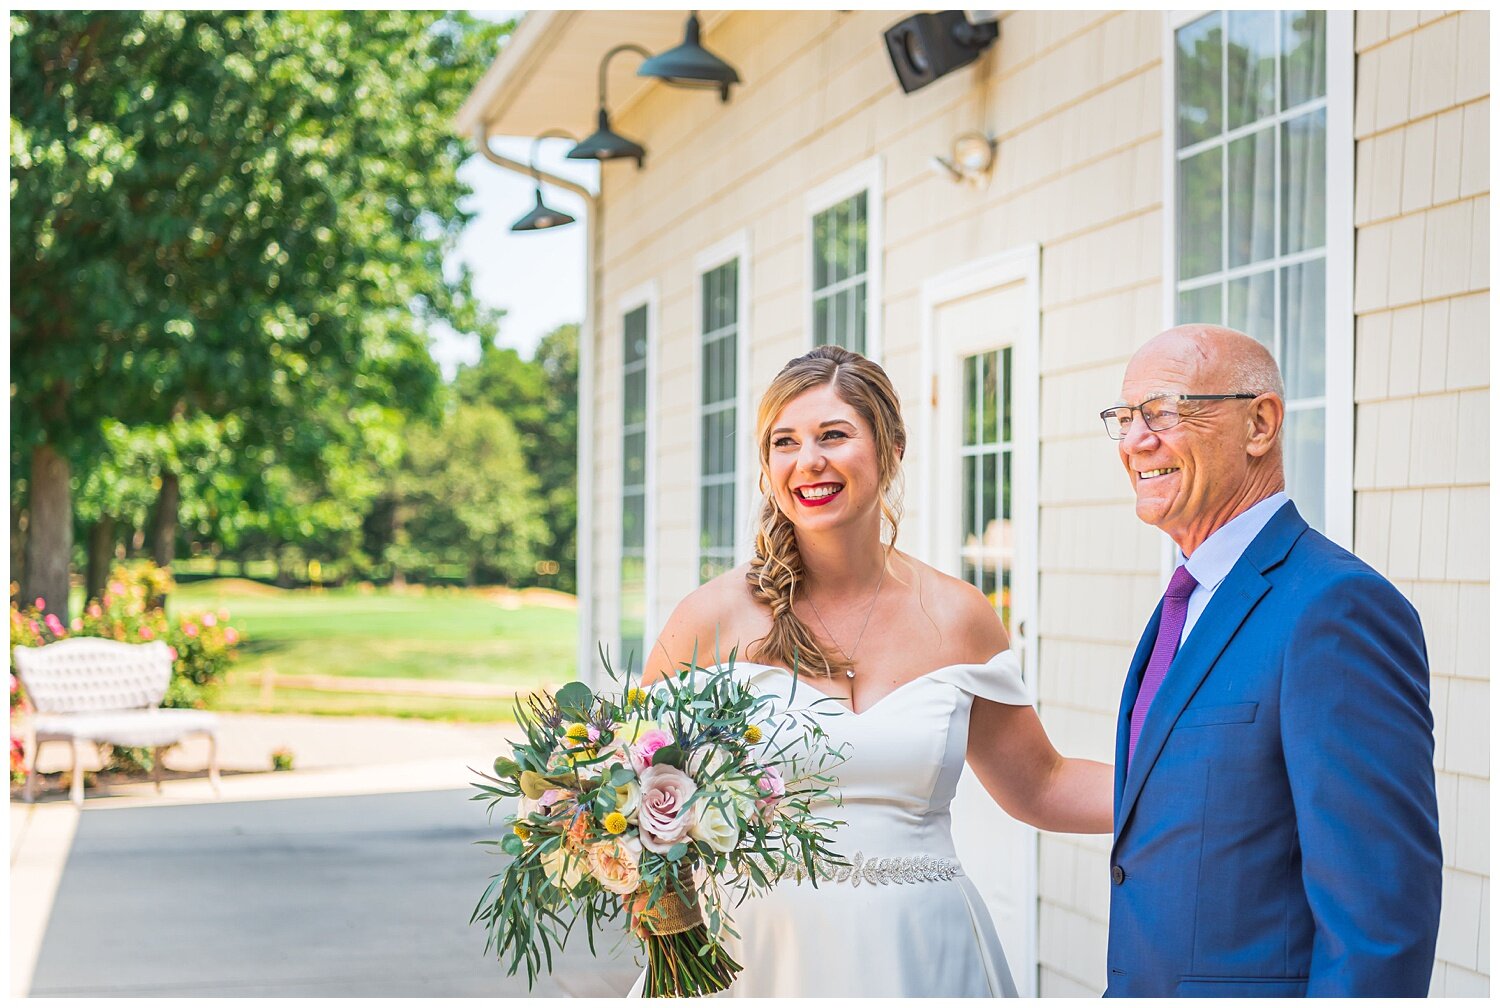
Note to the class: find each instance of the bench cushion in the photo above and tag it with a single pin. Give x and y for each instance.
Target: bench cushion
(157, 727)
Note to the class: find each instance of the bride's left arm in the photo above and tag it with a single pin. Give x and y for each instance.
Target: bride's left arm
(1015, 761)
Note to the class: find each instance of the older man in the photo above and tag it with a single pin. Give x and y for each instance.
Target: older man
(1275, 811)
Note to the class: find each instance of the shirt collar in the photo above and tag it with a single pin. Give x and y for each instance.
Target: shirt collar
(1212, 560)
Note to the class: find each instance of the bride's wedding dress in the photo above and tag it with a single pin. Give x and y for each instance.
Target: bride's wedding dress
(904, 921)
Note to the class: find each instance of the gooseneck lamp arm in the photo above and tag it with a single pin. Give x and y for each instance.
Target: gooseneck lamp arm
(482, 144)
(604, 64)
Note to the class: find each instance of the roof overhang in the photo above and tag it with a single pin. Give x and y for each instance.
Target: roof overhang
(547, 76)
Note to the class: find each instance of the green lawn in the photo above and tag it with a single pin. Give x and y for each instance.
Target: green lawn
(442, 634)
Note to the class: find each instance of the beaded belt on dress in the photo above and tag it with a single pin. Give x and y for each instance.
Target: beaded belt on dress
(888, 870)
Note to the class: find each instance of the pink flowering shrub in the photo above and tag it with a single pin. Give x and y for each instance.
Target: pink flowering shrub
(202, 643)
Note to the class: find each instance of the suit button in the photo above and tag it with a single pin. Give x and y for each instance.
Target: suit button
(1117, 874)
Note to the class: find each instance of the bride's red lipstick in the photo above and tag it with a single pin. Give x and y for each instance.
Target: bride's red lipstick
(816, 501)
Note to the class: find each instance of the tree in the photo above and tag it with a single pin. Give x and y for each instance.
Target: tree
(541, 398)
(225, 215)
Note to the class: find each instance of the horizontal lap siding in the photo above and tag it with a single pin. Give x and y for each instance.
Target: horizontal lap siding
(1421, 387)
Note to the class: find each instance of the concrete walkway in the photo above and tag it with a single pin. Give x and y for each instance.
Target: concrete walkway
(353, 875)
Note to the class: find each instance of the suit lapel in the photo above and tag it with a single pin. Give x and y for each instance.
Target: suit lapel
(1127, 702)
(1226, 612)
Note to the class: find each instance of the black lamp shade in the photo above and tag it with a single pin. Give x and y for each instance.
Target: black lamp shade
(604, 144)
(691, 64)
(541, 216)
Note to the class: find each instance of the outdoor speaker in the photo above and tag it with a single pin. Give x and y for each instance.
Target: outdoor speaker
(924, 47)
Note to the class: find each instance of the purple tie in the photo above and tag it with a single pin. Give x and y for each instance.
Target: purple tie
(1168, 633)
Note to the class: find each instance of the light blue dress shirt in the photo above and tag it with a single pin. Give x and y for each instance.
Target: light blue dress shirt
(1211, 562)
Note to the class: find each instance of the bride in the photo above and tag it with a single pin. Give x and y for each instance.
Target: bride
(921, 665)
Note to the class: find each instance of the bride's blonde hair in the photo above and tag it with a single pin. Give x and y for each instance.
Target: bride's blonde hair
(776, 569)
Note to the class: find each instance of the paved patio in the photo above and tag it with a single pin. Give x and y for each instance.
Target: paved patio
(355, 876)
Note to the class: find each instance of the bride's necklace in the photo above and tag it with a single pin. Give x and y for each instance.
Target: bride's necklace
(849, 654)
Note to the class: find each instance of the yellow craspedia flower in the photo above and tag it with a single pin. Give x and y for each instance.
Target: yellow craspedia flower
(615, 823)
(578, 732)
(521, 831)
(753, 734)
(635, 696)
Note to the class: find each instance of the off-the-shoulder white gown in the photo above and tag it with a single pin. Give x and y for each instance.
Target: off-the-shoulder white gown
(908, 923)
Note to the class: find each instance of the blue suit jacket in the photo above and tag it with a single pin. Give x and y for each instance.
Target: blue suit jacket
(1276, 833)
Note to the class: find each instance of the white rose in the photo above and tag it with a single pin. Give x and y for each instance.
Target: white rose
(716, 826)
(563, 869)
(628, 800)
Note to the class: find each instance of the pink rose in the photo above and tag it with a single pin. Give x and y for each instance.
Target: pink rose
(645, 747)
(147, 633)
(55, 625)
(191, 629)
(95, 612)
(40, 603)
(115, 588)
(773, 788)
(77, 623)
(666, 813)
(209, 619)
(230, 636)
(173, 652)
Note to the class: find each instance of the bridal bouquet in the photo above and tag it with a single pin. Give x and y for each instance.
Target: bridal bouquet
(656, 804)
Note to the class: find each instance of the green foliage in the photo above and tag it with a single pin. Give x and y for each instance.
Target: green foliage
(239, 216)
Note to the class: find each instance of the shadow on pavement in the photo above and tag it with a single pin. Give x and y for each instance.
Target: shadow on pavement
(366, 895)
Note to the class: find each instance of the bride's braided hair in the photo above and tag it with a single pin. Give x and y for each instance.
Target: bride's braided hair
(776, 569)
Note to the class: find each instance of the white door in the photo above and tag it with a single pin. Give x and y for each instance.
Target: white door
(982, 327)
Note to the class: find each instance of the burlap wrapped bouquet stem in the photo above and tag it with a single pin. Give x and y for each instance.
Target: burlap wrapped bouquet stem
(674, 932)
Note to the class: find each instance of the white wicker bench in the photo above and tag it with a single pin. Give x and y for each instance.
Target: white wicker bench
(90, 690)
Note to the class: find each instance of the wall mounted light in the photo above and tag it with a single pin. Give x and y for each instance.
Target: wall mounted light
(691, 65)
(971, 158)
(604, 144)
(542, 216)
(925, 47)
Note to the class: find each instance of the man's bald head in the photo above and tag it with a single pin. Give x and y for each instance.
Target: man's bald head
(1222, 356)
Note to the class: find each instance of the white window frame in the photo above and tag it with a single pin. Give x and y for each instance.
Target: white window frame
(644, 295)
(736, 246)
(867, 176)
(1338, 457)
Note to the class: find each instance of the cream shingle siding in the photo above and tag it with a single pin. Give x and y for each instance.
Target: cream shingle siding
(1421, 387)
(1076, 100)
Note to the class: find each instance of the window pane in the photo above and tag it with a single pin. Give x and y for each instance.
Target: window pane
(971, 400)
(1005, 487)
(988, 497)
(820, 322)
(989, 397)
(861, 233)
(970, 491)
(835, 314)
(635, 397)
(1252, 196)
(1203, 304)
(1006, 390)
(860, 308)
(821, 223)
(1200, 193)
(635, 335)
(1304, 36)
(1304, 362)
(633, 521)
(1304, 181)
(838, 253)
(1252, 66)
(1200, 53)
(1252, 308)
(971, 572)
(635, 459)
(1303, 439)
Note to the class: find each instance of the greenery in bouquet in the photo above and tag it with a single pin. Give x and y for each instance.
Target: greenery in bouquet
(202, 644)
(661, 804)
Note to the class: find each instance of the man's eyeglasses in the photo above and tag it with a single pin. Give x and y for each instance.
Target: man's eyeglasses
(1160, 412)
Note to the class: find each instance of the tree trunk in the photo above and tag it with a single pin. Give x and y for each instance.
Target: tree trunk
(101, 557)
(19, 519)
(164, 522)
(49, 537)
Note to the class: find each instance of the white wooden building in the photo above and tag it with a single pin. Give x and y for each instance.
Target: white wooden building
(1321, 181)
